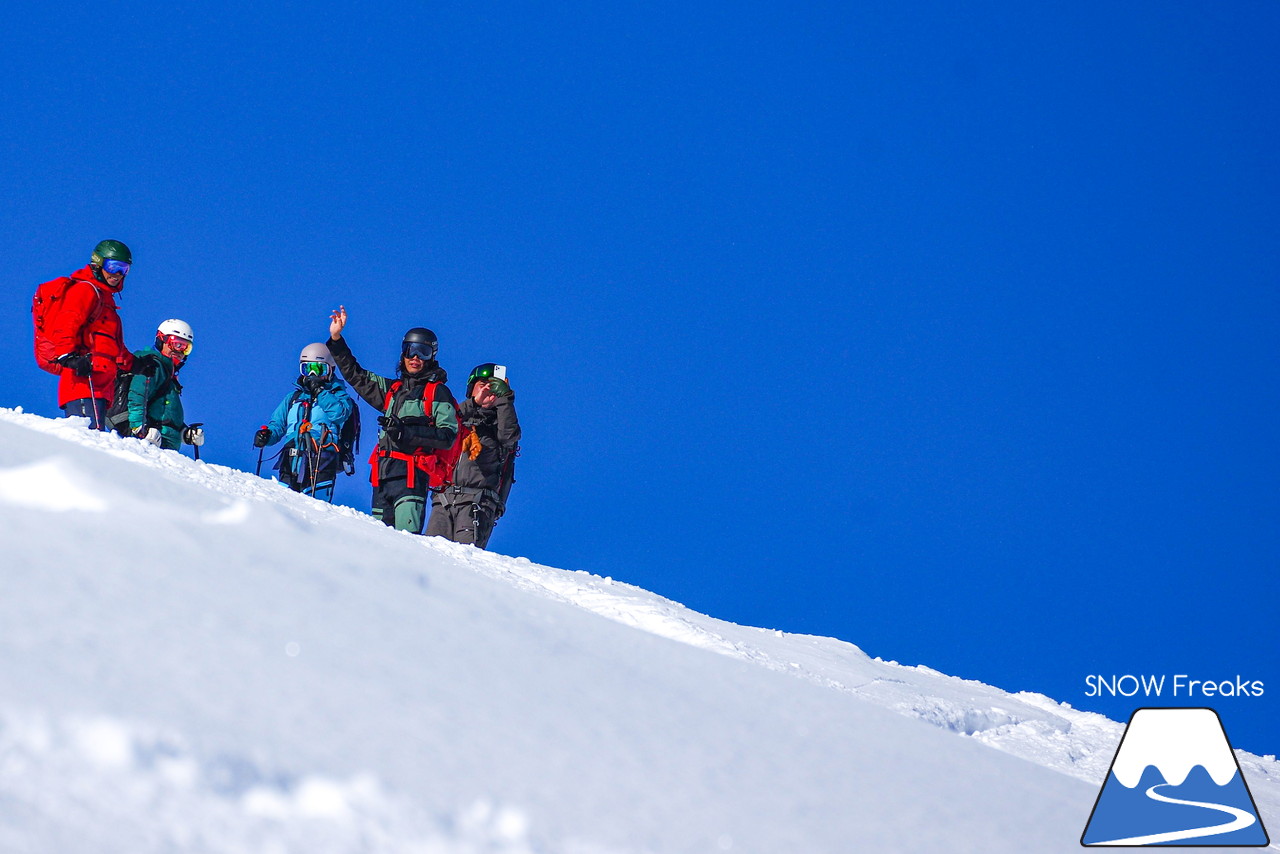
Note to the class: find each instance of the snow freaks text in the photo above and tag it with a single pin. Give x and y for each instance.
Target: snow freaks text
(1179, 686)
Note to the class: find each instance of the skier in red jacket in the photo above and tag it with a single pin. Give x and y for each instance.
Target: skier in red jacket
(86, 335)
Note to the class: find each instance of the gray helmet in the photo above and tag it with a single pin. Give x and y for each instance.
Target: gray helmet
(313, 354)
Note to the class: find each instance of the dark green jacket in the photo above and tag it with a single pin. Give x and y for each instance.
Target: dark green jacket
(427, 425)
(155, 397)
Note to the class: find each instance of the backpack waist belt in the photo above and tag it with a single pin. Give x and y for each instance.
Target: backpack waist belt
(472, 490)
(410, 460)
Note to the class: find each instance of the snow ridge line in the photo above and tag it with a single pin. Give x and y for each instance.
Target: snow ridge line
(1030, 726)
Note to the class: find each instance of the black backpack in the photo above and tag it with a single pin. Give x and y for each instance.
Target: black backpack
(118, 411)
(349, 440)
(506, 477)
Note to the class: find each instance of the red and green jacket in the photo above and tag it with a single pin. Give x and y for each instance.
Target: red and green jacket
(427, 424)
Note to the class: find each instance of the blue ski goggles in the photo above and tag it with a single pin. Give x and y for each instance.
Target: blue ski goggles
(113, 267)
(422, 351)
(314, 369)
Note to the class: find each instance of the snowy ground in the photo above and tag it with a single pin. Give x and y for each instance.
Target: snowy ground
(194, 659)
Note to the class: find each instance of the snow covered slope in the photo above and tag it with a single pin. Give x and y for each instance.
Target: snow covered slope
(195, 659)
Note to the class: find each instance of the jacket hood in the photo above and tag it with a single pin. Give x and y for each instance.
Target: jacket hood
(86, 274)
(152, 352)
(473, 413)
(433, 373)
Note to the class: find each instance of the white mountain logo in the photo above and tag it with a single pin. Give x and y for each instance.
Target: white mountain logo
(1174, 781)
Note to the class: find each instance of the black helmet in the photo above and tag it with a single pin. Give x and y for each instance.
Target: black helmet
(426, 342)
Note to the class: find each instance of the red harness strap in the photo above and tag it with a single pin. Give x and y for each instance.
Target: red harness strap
(414, 461)
(419, 459)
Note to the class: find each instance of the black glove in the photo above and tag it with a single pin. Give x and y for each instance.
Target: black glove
(79, 363)
(392, 426)
(262, 438)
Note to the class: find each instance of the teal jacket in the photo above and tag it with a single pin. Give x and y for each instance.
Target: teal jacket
(155, 397)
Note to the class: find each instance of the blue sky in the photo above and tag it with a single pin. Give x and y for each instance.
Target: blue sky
(948, 332)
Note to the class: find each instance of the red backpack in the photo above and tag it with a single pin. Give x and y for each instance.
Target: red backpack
(45, 306)
(438, 463)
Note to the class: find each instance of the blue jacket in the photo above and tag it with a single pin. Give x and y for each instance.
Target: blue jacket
(326, 416)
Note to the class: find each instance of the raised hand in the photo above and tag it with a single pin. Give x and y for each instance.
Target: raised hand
(337, 321)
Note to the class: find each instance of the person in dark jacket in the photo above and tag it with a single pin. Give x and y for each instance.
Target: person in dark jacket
(467, 510)
(85, 340)
(411, 424)
(155, 394)
(311, 418)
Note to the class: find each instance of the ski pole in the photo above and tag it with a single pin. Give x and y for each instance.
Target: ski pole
(258, 471)
(315, 473)
(194, 446)
(93, 401)
(313, 463)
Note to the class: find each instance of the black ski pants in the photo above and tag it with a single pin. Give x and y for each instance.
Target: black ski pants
(461, 517)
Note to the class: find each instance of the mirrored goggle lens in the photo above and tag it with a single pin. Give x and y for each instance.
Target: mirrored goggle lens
(485, 373)
(113, 267)
(422, 351)
(177, 345)
(314, 369)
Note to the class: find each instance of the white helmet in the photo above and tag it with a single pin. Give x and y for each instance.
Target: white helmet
(313, 354)
(178, 328)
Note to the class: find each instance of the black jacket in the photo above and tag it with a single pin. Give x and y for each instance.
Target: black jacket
(498, 430)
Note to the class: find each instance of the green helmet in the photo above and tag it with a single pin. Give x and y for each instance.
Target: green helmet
(110, 249)
(484, 373)
(478, 373)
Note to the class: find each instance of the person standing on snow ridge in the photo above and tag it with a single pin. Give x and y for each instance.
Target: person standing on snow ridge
(312, 418)
(411, 424)
(155, 395)
(466, 510)
(83, 340)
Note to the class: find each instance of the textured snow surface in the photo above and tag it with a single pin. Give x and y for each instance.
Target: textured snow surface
(195, 659)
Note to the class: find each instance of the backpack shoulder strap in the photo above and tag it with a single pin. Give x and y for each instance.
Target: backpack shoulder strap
(391, 392)
(97, 293)
(146, 365)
